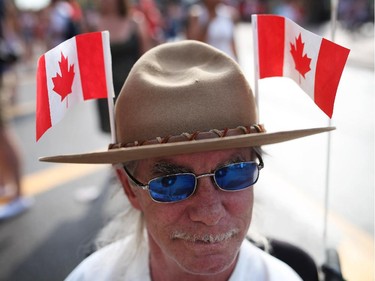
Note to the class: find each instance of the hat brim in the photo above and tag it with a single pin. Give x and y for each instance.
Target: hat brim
(121, 155)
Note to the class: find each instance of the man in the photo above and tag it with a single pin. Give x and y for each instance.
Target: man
(187, 156)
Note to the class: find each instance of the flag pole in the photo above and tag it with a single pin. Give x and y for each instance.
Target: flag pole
(334, 9)
(254, 24)
(110, 89)
(112, 116)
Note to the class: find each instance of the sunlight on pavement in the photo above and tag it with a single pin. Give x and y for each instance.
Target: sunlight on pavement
(356, 251)
(47, 179)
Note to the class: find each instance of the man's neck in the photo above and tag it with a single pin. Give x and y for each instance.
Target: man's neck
(166, 275)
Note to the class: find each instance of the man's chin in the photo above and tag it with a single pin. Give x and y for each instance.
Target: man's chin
(209, 260)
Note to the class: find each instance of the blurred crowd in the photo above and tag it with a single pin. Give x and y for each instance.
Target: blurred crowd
(166, 19)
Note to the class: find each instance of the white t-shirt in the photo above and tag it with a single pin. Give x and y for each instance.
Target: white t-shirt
(109, 264)
(220, 31)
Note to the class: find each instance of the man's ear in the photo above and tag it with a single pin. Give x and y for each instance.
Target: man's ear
(123, 178)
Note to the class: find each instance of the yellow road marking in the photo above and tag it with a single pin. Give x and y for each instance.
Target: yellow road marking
(18, 110)
(354, 245)
(49, 178)
(356, 251)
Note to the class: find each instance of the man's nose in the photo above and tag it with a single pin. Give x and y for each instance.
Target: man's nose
(206, 204)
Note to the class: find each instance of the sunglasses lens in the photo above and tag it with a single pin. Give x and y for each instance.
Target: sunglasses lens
(172, 188)
(237, 176)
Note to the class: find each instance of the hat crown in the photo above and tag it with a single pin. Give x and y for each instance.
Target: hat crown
(182, 87)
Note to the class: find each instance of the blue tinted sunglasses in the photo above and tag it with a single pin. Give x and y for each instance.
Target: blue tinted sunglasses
(178, 187)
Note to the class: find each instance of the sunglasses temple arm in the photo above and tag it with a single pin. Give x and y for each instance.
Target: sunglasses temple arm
(134, 180)
(261, 163)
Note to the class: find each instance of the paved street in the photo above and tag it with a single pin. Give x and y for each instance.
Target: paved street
(47, 242)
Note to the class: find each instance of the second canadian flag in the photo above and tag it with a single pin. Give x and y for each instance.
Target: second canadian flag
(286, 49)
(76, 70)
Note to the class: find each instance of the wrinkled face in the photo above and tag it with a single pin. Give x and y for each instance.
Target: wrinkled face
(202, 234)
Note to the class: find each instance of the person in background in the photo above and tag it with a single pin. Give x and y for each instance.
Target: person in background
(12, 203)
(63, 21)
(76, 18)
(154, 20)
(187, 154)
(129, 39)
(291, 9)
(213, 22)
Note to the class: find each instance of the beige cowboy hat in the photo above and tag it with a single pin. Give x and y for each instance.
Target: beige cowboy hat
(184, 97)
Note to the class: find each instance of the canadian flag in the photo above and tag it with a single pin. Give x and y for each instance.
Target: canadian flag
(286, 49)
(76, 70)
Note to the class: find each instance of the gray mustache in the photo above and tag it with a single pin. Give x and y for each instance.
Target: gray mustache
(206, 238)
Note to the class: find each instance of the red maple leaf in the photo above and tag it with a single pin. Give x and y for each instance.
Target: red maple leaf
(301, 61)
(63, 83)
